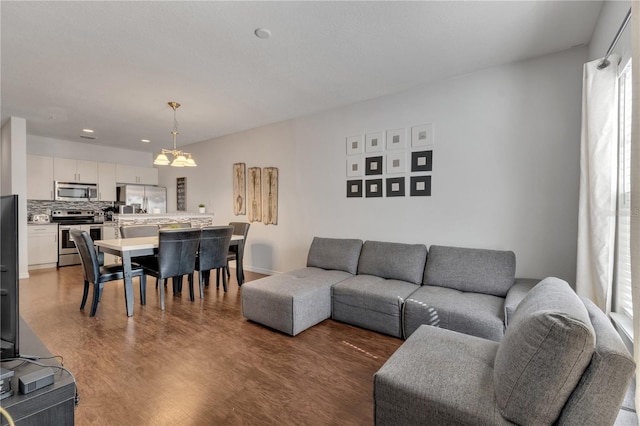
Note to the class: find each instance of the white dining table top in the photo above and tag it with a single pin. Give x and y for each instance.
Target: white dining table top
(139, 243)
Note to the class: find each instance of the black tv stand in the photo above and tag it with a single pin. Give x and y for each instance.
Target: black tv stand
(52, 405)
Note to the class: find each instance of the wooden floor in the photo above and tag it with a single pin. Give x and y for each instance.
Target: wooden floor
(200, 363)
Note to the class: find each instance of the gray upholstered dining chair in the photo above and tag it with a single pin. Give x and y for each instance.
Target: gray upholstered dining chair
(98, 275)
(134, 231)
(212, 254)
(237, 252)
(176, 256)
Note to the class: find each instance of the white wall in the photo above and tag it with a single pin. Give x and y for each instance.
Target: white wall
(84, 151)
(506, 170)
(14, 179)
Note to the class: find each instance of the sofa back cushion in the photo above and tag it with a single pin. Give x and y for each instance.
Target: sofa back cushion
(471, 270)
(335, 253)
(597, 398)
(393, 261)
(545, 350)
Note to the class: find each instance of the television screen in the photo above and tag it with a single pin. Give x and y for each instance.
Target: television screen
(9, 275)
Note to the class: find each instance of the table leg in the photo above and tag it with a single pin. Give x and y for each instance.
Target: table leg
(128, 282)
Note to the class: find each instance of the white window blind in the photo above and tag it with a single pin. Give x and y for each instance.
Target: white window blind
(622, 276)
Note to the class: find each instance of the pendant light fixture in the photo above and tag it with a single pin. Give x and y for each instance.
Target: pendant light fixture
(181, 159)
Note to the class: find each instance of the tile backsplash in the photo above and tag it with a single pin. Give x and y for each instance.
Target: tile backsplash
(46, 206)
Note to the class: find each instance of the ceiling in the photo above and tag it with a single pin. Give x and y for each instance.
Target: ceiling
(113, 66)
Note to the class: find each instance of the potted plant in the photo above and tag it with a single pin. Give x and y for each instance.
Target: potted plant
(201, 208)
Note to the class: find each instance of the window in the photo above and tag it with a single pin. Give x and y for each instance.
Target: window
(622, 305)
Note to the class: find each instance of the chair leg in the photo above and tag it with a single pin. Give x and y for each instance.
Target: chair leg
(162, 289)
(218, 277)
(190, 281)
(206, 276)
(97, 290)
(143, 289)
(85, 293)
(201, 284)
(228, 272)
(224, 282)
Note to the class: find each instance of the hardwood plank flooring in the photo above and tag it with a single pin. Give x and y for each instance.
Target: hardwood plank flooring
(200, 363)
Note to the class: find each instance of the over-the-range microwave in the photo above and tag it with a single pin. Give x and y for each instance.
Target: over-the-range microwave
(74, 191)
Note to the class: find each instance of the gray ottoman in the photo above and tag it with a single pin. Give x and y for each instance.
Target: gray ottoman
(299, 299)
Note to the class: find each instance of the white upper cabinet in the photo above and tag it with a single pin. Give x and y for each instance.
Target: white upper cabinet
(69, 170)
(39, 177)
(107, 182)
(133, 174)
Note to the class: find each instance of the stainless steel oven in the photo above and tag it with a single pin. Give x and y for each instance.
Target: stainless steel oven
(70, 219)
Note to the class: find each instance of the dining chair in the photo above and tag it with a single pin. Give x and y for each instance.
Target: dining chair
(212, 254)
(176, 255)
(175, 225)
(234, 253)
(98, 275)
(135, 231)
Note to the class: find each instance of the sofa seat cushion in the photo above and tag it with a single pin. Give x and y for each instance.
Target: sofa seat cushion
(478, 314)
(438, 377)
(471, 270)
(291, 302)
(546, 348)
(371, 302)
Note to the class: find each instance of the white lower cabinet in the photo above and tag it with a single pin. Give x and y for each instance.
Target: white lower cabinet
(42, 246)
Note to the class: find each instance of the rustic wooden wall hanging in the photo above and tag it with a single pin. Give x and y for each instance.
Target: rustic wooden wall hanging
(254, 190)
(270, 195)
(239, 189)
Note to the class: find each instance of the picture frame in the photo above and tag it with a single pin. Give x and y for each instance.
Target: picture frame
(395, 187)
(239, 189)
(373, 165)
(373, 188)
(420, 186)
(396, 139)
(374, 142)
(355, 145)
(270, 195)
(355, 166)
(354, 188)
(181, 194)
(396, 162)
(422, 136)
(254, 194)
(422, 161)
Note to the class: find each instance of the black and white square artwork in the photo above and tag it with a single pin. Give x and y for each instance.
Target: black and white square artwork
(373, 166)
(355, 145)
(422, 161)
(354, 188)
(374, 142)
(373, 188)
(420, 186)
(396, 139)
(355, 166)
(422, 135)
(395, 187)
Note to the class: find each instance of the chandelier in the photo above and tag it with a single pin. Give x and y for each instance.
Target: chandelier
(181, 159)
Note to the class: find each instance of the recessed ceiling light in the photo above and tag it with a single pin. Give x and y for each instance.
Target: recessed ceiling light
(145, 140)
(87, 130)
(262, 33)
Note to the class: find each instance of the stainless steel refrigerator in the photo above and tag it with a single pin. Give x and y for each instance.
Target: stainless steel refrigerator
(149, 198)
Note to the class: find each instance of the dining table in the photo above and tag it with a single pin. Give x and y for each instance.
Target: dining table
(128, 248)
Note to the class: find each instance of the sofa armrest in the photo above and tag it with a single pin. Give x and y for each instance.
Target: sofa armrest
(516, 293)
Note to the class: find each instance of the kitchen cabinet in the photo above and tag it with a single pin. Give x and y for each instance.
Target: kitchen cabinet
(42, 246)
(107, 182)
(134, 174)
(70, 170)
(39, 177)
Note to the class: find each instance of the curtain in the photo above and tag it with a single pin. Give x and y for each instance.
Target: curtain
(635, 187)
(598, 179)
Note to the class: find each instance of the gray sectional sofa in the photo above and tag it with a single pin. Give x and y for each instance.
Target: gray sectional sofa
(482, 347)
(391, 288)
